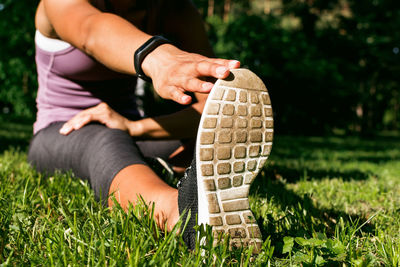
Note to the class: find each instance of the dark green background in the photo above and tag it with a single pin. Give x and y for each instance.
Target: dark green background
(330, 65)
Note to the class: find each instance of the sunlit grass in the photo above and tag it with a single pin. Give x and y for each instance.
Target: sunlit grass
(319, 201)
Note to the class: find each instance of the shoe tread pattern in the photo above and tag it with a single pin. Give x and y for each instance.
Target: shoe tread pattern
(234, 142)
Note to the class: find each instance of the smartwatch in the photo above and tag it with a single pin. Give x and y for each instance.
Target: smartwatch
(143, 51)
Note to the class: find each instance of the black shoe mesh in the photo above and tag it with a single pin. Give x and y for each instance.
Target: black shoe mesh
(187, 201)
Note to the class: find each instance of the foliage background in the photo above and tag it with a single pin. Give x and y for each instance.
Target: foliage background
(17, 65)
(330, 65)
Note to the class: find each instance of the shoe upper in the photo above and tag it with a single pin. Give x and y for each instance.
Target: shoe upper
(188, 204)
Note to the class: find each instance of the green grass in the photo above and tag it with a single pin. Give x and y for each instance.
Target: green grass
(319, 201)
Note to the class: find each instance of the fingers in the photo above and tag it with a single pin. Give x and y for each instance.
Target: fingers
(176, 94)
(231, 64)
(190, 72)
(106, 115)
(207, 68)
(189, 80)
(66, 129)
(196, 85)
(81, 119)
(75, 123)
(217, 68)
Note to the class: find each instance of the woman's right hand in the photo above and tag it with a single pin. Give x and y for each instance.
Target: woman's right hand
(175, 72)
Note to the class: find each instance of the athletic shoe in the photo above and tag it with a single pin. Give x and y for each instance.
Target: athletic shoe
(188, 203)
(233, 143)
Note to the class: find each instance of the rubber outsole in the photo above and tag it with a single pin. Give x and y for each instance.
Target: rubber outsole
(234, 141)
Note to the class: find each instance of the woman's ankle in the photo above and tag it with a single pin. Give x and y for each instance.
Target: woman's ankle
(167, 213)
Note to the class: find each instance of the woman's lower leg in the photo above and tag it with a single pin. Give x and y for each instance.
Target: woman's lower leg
(139, 180)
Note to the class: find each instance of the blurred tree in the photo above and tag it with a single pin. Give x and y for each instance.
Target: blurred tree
(17, 64)
(373, 29)
(338, 69)
(328, 63)
(210, 8)
(227, 9)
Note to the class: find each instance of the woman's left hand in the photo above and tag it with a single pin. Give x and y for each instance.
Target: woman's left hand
(101, 113)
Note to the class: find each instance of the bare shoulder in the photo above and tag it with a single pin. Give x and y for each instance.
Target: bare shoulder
(42, 22)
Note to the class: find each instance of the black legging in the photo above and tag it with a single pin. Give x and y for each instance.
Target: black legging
(94, 153)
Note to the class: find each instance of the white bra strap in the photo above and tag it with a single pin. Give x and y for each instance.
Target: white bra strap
(49, 44)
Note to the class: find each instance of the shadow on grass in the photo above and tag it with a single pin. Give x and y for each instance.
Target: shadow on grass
(295, 158)
(302, 216)
(294, 174)
(377, 150)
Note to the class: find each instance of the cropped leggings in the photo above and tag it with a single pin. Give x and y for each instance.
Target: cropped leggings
(94, 153)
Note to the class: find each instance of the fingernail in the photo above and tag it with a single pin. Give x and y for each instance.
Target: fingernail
(207, 86)
(65, 129)
(185, 98)
(221, 71)
(234, 64)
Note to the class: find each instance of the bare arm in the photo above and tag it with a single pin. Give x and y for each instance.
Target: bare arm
(178, 125)
(112, 40)
(174, 126)
(107, 37)
(163, 64)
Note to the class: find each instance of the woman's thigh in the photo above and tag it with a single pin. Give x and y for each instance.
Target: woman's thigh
(94, 153)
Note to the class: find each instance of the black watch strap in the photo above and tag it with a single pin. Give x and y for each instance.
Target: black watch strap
(143, 51)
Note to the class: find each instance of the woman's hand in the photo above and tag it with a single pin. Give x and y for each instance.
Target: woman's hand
(101, 113)
(174, 72)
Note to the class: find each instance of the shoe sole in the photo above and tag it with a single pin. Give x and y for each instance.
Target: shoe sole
(234, 141)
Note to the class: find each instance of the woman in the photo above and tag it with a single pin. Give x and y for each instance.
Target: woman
(88, 52)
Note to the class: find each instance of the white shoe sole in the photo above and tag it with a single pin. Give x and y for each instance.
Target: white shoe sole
(233, 143)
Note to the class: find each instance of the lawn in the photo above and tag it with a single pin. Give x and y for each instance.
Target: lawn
(319, 201)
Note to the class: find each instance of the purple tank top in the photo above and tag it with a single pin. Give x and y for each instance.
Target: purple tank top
(71, 81)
